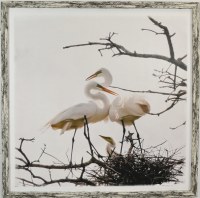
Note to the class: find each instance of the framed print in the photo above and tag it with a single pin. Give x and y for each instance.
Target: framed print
(100, 99)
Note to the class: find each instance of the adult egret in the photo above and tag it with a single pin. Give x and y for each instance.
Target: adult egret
(73, 117)
(124, 109)
(111, 145)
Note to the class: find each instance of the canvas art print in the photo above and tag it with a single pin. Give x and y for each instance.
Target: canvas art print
(100, 99)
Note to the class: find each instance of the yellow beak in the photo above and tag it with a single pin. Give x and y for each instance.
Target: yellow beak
(91, 77)
(104, 137)
(107, 90)
(94, 75)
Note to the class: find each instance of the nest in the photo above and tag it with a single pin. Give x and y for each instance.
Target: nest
(140, 169)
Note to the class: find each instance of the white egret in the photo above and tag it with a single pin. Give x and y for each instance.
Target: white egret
(73, 117)
(111, 145)
(124, 109)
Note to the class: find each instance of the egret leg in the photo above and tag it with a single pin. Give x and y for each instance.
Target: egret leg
(138, 137)
(124, 131)
(73, 140)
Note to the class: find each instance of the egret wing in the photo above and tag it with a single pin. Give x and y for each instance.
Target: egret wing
(136, 105)
(76, 112)
(128, 105)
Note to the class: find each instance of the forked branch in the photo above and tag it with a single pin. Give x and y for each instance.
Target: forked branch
(109, 44)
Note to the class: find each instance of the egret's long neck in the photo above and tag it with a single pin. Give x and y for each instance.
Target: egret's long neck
(104, 110)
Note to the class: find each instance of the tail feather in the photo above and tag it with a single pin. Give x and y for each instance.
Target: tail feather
(45, 127)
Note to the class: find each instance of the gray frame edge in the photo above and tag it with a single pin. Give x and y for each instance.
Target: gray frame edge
(4, 97)
(195, 96)
(195, 6)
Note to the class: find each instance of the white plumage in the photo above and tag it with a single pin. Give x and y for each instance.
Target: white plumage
(126, 108)
(73, 117)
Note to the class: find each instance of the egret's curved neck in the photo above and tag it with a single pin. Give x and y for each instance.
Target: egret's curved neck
(102, 111)
(107, 79)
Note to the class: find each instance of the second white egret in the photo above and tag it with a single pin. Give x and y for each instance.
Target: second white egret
(124, 109)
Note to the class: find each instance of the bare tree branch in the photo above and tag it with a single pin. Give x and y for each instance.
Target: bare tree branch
(109, 45)
(166, 32)
(173, 128)
(20, 148)
(52, 166)
(167, 109)
(64, 180)
(146, 91)
(54, 157)
(157, 33)
(123, 51)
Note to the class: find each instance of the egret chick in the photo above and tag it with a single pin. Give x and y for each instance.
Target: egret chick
(111, 145)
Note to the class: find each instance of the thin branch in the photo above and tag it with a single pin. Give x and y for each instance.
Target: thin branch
(54, 157)
(168, 108)
(20, 159)
(175, 74)
(43, 151)
(86, 128)
(20, 148)
(52, 166)
(85, 44)
(27, 140)
(157, 33)
(152, 147)
(146, 91)
(129, 138)
(50, 175)
(76, 181)
(182, 57)
(167, 34)
(35, 176)
(29, 182)
(83, 171)
(173, 128)
(157, 56)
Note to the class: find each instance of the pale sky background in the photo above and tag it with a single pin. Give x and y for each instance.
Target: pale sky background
(47, 79)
